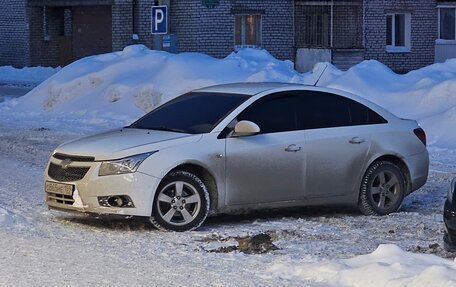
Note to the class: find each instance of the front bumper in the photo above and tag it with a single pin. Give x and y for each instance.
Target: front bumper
(139, 187)
(449, 217)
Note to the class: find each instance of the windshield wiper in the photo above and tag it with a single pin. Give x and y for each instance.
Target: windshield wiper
(166, 129)
(158, 128)
(134, 126)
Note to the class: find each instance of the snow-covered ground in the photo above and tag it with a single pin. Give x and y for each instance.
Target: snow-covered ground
(16, 82)
(25, 76)
(316, 246)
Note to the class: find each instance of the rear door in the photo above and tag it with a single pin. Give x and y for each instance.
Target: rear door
(338, 135)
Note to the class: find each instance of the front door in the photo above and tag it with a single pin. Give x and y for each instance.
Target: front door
(268, 167)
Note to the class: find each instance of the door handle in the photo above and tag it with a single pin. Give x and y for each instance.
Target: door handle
(356, 140)
(293, 148)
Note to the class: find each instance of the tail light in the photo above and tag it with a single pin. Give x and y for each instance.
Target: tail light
(419, 132)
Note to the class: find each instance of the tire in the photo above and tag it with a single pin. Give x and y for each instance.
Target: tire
(382, 189)
(181, 202)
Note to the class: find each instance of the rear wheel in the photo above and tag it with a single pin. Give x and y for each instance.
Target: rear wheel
(382, 189)
(181, 202)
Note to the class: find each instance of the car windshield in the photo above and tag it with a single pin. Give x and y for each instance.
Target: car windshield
(193, 113)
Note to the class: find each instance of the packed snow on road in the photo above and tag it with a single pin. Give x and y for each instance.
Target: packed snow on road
(291, 247)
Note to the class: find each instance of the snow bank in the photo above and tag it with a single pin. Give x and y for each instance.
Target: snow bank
(427, 95)
(119, 87)
(5, 218)
(134, 81)
(29, 76)
(388, 266)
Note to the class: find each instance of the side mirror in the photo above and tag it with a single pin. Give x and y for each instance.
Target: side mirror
(245, 128)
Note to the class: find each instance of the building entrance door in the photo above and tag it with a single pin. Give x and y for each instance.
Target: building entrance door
(92, 30)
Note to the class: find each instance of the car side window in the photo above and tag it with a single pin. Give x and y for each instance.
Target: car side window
(273, 113)
(324, 110)
(362, 115)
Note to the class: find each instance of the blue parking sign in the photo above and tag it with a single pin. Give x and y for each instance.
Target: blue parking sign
(159, 19)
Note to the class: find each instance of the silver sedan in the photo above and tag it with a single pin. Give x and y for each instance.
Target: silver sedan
(236, 147)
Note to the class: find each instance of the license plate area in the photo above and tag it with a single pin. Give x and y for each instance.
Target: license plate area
(59, 188)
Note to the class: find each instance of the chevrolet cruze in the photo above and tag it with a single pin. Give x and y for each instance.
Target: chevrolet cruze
(237, 147)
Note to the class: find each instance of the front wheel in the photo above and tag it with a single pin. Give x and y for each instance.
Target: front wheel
(181, 202)
(382, 189)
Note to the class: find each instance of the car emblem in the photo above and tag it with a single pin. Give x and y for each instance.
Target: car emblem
(65, 163)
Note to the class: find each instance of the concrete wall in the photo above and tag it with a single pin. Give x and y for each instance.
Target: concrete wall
(306, 58)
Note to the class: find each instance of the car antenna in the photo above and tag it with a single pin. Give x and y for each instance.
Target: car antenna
(321, 74)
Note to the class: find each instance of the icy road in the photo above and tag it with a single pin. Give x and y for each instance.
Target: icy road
(42, 247)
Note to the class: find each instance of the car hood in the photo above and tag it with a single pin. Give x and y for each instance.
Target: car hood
(125, 142)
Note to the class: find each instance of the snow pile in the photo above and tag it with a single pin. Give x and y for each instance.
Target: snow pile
(119, 87)
(134, 81)
(427, 95)
(29, 76)
(388, 266)
(5, 218)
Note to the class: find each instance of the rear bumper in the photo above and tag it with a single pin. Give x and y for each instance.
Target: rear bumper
(449, 218)
(419, 169)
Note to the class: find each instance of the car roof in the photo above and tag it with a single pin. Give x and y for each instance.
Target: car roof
(252, 89)
(248, 88)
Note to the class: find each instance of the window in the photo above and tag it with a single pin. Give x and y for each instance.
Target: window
(193, 113)
(398, 32)
(305, 110)
(324, 110)
(273, 114)
(317, 31)
(247, 31)
(447, 24)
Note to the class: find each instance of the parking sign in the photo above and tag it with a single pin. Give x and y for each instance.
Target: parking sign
(159, 19)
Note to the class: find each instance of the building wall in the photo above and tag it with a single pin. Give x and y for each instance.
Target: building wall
(122, 24)
(45, 48)
(211, 30)
(424, 28)
(348, 25)
(143, 22)
(14, 34)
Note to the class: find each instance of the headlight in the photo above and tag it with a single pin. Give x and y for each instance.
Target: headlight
(124, 165)
(451, 191)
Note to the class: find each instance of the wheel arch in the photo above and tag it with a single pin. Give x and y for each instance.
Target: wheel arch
(400, 163)
(206, 177)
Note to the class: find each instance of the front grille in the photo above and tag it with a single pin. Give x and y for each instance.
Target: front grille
(60, 198)
(74, 157)
(58, 173)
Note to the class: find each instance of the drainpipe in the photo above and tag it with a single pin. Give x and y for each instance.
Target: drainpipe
(332, 24)
(45, 25)
(134, 33)
(364, 25)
